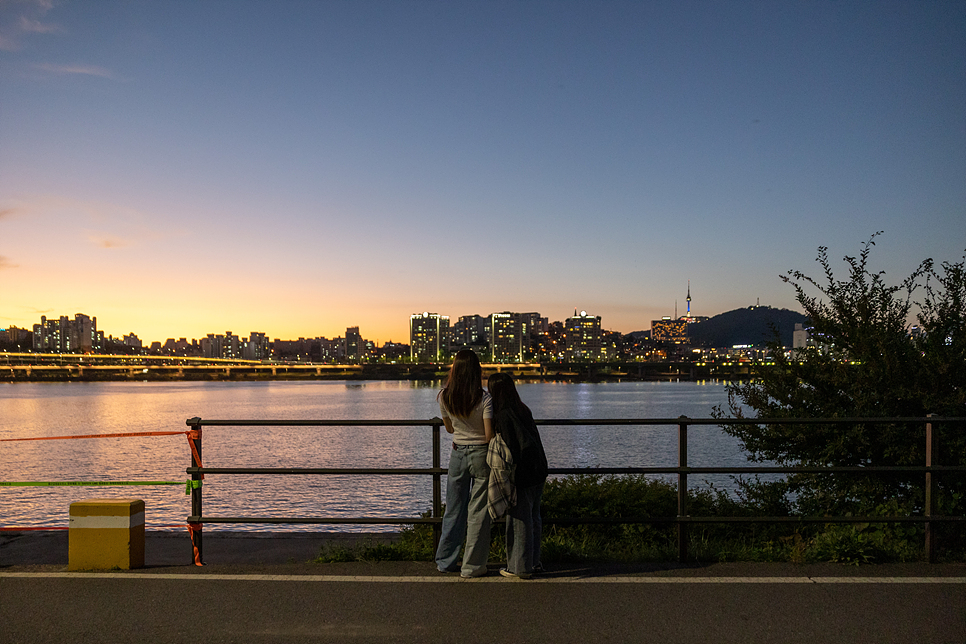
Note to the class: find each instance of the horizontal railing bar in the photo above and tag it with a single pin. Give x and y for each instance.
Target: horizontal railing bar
(319, 520)
(578, 520)
(911, 469)
(885, 469)
(319, 423)
(749, 421)
(623, 520)
(313, 470)
(861, 469)
(588, 421)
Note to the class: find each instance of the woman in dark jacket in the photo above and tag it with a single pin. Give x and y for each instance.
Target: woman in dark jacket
(524, 527)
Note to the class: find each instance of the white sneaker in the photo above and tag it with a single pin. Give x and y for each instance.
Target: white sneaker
(511, 575)
(477, 573)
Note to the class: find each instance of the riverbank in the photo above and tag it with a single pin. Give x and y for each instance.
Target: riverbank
(296, 553)
(173, 548)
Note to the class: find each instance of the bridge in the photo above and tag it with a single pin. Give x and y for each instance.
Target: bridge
(33, 367)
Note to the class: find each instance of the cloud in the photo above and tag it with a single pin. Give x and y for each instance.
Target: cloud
(36, 27)
(29, 23)
(89, 70)
(5, 263)
(108, 241)
(99, 224)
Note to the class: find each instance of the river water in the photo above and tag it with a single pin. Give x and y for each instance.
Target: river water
(57, 409)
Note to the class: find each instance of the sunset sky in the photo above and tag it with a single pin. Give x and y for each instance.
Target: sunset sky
(294, 168)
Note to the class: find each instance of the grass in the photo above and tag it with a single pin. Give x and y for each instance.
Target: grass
(637, 496)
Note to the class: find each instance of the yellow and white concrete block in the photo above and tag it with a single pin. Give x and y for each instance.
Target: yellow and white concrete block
(106, 533)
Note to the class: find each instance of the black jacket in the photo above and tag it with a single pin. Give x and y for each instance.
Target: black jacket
(521, 436)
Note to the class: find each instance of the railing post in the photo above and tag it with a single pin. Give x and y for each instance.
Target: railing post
(928, 504)
(682, 489)
(197, 555)
(437, 486)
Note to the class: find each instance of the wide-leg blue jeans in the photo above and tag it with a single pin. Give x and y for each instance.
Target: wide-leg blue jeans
(466, 516)
(524, 530)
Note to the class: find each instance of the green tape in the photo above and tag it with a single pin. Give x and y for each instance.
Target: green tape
(83, 483)
(191, 484)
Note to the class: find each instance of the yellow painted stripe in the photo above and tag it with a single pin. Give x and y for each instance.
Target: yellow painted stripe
(123, 521)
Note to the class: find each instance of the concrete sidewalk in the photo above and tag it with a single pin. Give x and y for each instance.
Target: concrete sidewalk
(262, 588)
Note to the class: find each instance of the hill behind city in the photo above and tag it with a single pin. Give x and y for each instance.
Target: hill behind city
(753, 325)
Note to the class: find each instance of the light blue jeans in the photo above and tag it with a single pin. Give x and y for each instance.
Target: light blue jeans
(524, 530)
(466, 516)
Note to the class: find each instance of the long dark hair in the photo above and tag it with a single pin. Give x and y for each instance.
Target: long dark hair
(504, 393)
(464, 385)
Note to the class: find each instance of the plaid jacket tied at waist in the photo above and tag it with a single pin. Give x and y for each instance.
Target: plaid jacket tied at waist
(501, 495)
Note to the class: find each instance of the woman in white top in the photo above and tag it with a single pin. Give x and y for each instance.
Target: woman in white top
(467, 412)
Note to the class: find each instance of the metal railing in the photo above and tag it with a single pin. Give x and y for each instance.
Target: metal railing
(682, 471)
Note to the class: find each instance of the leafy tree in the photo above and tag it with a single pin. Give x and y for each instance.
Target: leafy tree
(866, 362)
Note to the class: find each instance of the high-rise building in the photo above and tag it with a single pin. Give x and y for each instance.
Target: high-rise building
(668, 330)
(232, 347)
(65, 335)
(611, 345)
(211, 345)
(83, 333)
(531, 326)
(428, 334)
(256, 347)
(353, 344)
(469, 331)
(47, 335)
(582, 337)
(226, 346)
(506, 337)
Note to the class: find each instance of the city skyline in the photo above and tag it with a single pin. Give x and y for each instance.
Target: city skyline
(230, 331)
(304, 168)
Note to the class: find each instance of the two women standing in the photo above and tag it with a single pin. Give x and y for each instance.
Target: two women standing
(474, 416)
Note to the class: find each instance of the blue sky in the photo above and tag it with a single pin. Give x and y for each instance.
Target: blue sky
(183, 168)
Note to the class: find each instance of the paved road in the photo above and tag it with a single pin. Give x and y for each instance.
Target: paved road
(262, 599)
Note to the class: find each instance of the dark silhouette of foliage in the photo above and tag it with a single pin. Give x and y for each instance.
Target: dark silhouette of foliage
(867, 362)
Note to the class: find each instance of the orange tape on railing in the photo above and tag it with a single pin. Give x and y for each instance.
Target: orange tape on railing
(32, 528)
(192, 528)
(192, 434)
(123, 435)
(28, 528)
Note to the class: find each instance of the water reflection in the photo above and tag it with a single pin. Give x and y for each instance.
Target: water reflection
(53, 409)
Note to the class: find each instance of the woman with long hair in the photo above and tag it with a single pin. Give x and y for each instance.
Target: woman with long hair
(467, 414)
(513, 421)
